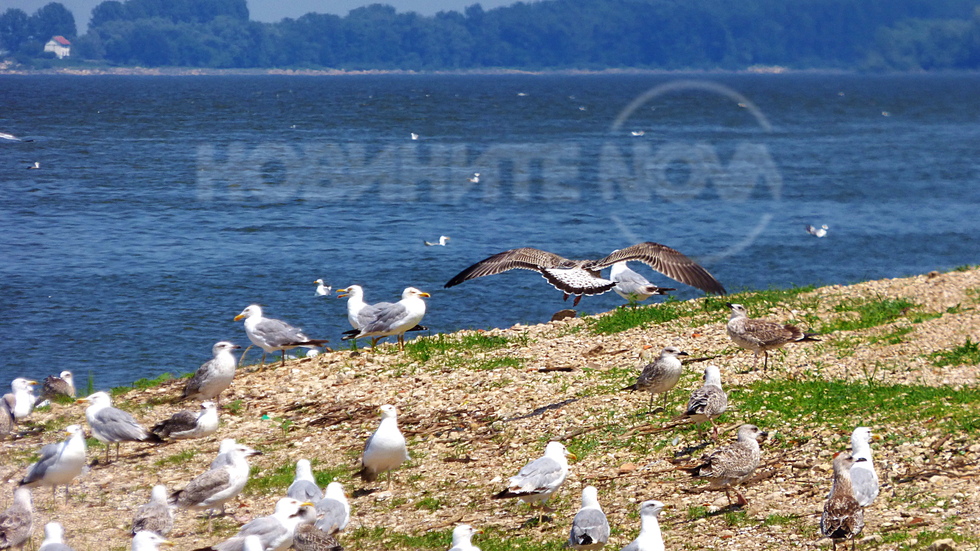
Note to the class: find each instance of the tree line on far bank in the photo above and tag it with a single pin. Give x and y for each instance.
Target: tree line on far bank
(547, 34)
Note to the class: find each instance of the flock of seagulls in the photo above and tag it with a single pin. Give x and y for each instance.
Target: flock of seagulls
(307, 518)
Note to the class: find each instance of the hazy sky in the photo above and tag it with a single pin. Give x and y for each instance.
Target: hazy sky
(275, 10)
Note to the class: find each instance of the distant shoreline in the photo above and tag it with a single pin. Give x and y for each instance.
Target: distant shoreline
(188, 71)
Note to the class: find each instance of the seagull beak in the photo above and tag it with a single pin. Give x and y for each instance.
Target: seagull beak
(81, 401)
(341, 293)
(572, 456)
(876, 437)
(729, 304)
(307, 504)
(238, 317)
(235, 347)
(168, 543)
(682, 353)
(32, 383)
(423, 294)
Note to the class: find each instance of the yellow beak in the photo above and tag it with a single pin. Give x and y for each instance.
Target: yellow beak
(238, 317)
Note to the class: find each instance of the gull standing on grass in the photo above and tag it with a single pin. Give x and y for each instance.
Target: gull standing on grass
(632, 286)
(761, 336)
(864, 479)
(650, 538)
(727, 467)
(463, 538)
(113, 426)
(385, 450)
(582, 277)
(54, 538)
(661, 375)
(215, 375)
(17, 522)
(708, 402)
(187, 424)
(22, 398)
(275, 531)
(157, 516)
(304, 486)
(333, 509)
(271, 334)
(540, 479)
(214, 488)
(394, 319)
(590, 529)
(360, 313)
(843, 516)
(148, 541)
(59, 464)
(62, 385)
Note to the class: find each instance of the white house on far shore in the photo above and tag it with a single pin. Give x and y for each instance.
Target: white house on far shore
(59, 45)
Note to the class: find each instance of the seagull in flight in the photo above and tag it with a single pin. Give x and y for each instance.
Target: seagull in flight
(582, 277)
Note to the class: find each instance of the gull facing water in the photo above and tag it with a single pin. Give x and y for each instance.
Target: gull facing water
(843, 516)
(385, 319)
(62, 385)
(708, 402)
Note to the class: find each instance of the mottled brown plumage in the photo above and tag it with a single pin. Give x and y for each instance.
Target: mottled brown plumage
(708, 402)
(761, 336)
(582, 277)
(17, 522)
(731, 465)
(843, 517)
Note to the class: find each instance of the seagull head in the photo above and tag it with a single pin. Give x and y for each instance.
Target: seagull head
(67, 377)
(463, 533)
(20, 383)
(223, 346)
(413, 292)
(352, 290)
(253, 310)
(651, 507)
(388, 411)
(208, 406)
(100, 399)
(558, 450)
(673, 351)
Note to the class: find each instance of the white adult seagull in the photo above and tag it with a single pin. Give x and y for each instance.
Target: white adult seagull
(215, 375)
(271, 334)
(540, 479)
(442, 241)
(113, 426)
(59, 464)
(385, 319)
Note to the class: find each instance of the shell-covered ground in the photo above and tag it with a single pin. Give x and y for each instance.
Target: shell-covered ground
(477, 405)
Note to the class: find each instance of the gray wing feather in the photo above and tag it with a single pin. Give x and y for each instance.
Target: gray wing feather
(539, 473)
(49, 454)
(117, 425)
(278, 333)
(178, 422)
(385, 318)
(154, 517)
(304, 490)
(203, 487)
(266, 528)
(334, 514)
(590, 526)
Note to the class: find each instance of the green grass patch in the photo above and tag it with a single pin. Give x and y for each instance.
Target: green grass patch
(176, 458)
(781, 403)
(425, 348)
(494, 539)
(273, 481)
(429, 503)
(329, 474)
(761, 301)
(967, 353)
(873, 313)
(896, 336)
(628, 318)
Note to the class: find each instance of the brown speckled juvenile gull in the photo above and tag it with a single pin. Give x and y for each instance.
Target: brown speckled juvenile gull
(17, 522)
(843, 516)
(761, 336)
(582, 277)
(157, 516)
(215, 375)
(708, 402)
(728, 467)
(661, 375)
(187, 424)
(62, 385)
(311, 537)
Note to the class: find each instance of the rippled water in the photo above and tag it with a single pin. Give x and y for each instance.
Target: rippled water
(165, 205)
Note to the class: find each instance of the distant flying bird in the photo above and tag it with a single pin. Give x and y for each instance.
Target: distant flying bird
(442, 241)
(637, 133)
(582, 277)
(271, 334)
(819, 232)
(415, 136)
(322, 289)
(761, 336)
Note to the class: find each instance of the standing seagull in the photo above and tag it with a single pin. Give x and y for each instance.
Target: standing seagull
(54, 538)
(112, 426)
(360, 313)
(864, 479)
(22, 399)
(632, 286)
(463, 538)
(157, 516)
(308, 535)
(271, 334)
(708, 402)
(333, 509)
(540, 479)
(187, 424)
(215, 375)
(661, 375)
(217, 486)
(650, 538)
(322, 289)
(304, 486)
(275, 531)
(62, 385)
(59, 464)
(581, 277)
(442, 241)
(6, 417)
(590, 529)
(395, 319)
(761, 336)
(843, 516)
(728, 467)
(385, 450)
(17, 522)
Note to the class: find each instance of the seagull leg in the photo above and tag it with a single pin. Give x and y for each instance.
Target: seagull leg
(565, 297)
(401, 342)
(283, 352)
(241, 360)
(577, 299)
(765, 363)
(108, 448)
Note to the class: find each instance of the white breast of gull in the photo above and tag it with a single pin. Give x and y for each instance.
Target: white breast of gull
(386, 449)
(650, 538)
(215, 375)
(864, 478)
